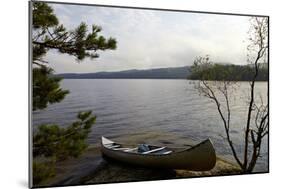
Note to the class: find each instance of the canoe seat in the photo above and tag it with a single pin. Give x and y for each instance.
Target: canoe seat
(123, 149)
(154, 150)
(131, 149)
(167, 152)
(112, 146)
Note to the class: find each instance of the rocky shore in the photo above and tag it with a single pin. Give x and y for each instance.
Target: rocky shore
(92, 168)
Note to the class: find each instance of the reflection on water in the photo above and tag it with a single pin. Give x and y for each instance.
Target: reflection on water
(132, 109)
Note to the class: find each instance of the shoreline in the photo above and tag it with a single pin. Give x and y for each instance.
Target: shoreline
(92, 168)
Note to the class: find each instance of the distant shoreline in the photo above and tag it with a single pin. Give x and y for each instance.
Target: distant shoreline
(175, 73)
(133, 78)
(154, 79)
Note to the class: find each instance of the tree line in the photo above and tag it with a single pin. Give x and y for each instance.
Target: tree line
(227, 72)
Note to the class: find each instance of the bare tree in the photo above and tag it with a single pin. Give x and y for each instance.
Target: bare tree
(258, 50)
(220, 92)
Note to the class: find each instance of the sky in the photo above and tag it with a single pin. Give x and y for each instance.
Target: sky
(148, 39)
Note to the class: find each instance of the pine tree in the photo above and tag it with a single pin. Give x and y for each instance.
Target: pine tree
(49, 34)
(52, 143)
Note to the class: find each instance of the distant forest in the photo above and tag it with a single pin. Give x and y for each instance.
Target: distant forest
(227, 72)
(215, 72)
(159, 73)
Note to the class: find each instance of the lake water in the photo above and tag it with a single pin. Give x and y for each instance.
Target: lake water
(154, 111)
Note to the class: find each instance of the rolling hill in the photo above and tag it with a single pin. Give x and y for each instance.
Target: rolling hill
(159, 73)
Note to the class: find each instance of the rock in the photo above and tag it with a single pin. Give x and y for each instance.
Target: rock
(222, 167)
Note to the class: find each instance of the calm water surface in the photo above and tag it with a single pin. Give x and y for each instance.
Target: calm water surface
(159, 111)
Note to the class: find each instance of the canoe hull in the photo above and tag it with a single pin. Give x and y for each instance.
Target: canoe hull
(201, 157)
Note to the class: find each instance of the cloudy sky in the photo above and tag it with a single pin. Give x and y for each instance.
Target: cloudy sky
(153, 39)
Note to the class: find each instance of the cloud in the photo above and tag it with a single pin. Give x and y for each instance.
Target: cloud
(153, 39)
